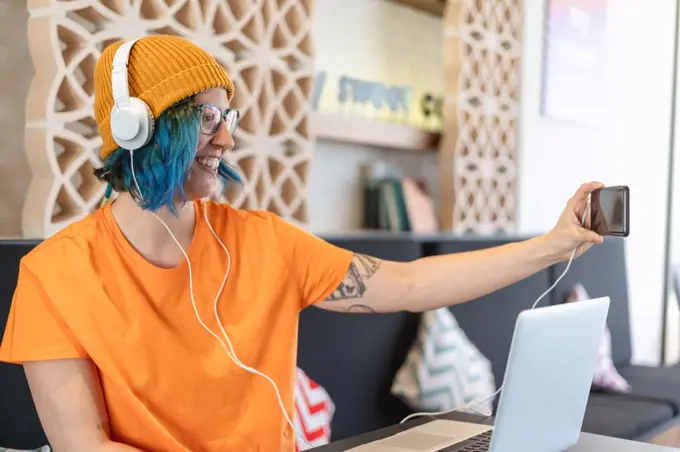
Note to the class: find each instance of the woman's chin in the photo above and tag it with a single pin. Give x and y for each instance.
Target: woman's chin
(200, 183)
(205, 189)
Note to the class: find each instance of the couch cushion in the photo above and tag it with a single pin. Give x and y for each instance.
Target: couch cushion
(606, 376)
(619, 416)
(602, 271)
(19, 423)
(383, 245)
(371, 349)
(489, 322)
(656, 383)
(11, 252)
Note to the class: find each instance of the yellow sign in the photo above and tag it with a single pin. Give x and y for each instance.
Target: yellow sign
(376, 100)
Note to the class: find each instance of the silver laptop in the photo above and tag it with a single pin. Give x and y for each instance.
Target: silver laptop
(547, 381)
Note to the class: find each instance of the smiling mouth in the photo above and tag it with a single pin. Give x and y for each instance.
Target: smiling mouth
(209, 164)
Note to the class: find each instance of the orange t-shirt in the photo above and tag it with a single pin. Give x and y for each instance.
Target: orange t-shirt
(168, 384)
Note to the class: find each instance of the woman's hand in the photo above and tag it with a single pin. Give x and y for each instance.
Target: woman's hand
(568, 234)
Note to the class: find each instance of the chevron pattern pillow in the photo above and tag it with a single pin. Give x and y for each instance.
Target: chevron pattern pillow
(313, 412)
(443, 370)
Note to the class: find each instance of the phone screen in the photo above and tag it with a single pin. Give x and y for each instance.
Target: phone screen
(609, 211)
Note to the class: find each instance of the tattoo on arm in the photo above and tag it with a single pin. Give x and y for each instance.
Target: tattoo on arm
(353, 286)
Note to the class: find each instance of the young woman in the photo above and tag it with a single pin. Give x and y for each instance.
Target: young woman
(140, 326)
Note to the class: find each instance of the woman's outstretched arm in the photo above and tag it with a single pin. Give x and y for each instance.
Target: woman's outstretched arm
(373, 285)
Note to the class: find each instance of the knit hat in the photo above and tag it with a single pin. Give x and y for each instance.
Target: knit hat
(162, 71)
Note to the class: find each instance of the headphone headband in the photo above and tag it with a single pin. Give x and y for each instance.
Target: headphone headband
(119, 74)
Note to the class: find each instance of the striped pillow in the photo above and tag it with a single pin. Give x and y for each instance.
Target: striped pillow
(314, 411)
(443, 370)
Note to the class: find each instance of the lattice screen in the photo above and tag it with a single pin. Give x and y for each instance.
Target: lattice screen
(266, 48)
(482, 49)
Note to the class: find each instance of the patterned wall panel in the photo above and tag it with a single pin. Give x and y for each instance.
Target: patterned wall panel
(478, 155)
(16, 71)
(265, 46)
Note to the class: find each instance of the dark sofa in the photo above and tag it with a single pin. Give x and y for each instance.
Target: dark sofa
(355, 356)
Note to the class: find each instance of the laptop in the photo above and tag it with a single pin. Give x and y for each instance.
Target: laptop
(547, 381)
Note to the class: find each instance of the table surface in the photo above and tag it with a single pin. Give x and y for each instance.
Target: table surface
(587, 442)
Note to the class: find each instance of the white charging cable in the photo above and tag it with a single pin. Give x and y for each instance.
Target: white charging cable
(470, 407)
(229, 351)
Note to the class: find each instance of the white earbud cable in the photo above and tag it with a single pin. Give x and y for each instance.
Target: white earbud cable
(229, 351)
(470, 407)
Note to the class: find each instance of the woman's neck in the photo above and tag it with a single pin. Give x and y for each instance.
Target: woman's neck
(147, 234)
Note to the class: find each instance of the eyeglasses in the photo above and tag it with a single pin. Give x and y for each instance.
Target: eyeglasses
(212, 117)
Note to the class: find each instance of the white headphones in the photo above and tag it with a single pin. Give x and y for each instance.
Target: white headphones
(132, 122)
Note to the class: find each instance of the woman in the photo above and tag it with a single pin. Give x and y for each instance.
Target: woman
(123, 352)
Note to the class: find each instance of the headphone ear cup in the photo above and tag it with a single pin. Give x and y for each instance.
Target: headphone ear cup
(132, 126)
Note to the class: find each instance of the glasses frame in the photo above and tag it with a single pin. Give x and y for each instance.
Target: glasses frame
(223, 115)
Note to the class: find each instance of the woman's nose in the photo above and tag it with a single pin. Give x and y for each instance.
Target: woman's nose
(223, 138)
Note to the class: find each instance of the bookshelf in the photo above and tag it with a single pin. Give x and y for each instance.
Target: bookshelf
(380, 134)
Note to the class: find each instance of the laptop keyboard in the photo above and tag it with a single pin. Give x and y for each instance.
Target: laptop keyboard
(479, 443)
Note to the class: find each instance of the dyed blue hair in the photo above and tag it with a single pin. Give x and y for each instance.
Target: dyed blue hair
(163, 165)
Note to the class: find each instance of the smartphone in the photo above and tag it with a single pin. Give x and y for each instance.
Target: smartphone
(610, 211)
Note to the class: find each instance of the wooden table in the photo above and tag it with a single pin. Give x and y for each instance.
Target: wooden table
(587, 442)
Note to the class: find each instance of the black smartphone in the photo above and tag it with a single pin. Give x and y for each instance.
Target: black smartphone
(610, 211)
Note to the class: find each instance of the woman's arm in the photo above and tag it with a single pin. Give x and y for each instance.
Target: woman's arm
(70, 404)
(433, 282)
(372, 285)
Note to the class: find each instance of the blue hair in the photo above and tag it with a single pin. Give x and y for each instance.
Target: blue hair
(163, 165)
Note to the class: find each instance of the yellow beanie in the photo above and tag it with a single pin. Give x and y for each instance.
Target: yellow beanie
(162, 71)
